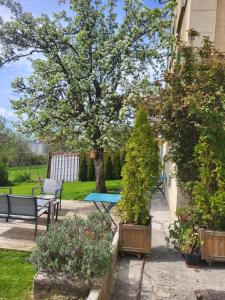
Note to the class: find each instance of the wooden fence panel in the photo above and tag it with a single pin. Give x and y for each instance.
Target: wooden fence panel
(64, 167)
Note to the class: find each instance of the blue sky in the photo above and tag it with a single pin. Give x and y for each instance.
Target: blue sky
(22, 68)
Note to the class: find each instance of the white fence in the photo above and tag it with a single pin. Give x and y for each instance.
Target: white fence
(65, 167)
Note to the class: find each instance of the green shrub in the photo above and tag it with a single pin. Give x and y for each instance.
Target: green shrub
(91, 170)
(76, 247)
(3, 173)
(140, 172)
(108, 168)
(183, 233)
(117, 166)
(83, 169)
(23, 177)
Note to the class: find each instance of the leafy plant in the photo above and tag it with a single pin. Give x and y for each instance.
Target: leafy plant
(183, 233)
(23, 177)
(76, 247)
(189, 103)
(90, 170)
(140, 172)
(117, 165)
(3, 173)
(83, 169)
(108, 168)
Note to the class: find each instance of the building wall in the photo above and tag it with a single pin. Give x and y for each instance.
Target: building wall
(220, 25)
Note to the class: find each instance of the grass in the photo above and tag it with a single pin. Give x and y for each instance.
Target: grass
(71, 191)
(35, 171)
(16, 276)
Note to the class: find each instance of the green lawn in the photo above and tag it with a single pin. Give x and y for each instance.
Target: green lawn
(72, 190)
(34, 170)
(16, 275)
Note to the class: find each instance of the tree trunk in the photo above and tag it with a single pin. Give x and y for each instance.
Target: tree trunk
(99, 172)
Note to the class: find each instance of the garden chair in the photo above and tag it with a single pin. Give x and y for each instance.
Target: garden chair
(26, 208)
(51, 189)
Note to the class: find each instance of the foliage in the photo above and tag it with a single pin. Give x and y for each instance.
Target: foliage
(183, 233)
(91, 170)
(16, 277)
(140, 172)
(190, 103)
(87, 67)
(83, 169)
(3, 173)
(23, 177)
(208, 193)
(108, 168)
(117, 165)
(76, 247)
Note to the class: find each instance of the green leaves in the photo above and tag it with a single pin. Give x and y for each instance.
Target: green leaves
(76, 247)
(140, 172)
(87, 66)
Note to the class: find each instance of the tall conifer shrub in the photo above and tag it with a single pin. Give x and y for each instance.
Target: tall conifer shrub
(83, 169)
(140, 172)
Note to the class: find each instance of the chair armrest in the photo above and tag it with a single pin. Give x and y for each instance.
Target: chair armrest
(7, 188)
(58, 192)
(35, 188)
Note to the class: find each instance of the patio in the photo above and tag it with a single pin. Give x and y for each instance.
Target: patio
(19, 235)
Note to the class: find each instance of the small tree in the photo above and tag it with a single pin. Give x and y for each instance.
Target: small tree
(108, 168)
(91, 170)
(83, 169)
(140, 172)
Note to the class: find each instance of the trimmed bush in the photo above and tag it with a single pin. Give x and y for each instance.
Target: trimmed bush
(91, 170)
(83, 169)
(108, 168)
(3, 173)
(77, 248)
(140, 172)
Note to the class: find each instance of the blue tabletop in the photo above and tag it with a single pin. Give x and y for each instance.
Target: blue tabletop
(97, 197)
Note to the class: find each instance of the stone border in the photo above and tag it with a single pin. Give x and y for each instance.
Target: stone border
(44, 282)
(109, 278)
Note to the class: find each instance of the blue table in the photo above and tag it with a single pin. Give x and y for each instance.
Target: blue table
(104, 199)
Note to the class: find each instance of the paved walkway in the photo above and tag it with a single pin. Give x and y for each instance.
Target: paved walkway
(165, 274)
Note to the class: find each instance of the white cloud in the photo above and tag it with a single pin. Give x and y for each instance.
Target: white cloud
(7, 113)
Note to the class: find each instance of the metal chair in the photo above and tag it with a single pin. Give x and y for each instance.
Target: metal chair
(51, 188)
(26, 208)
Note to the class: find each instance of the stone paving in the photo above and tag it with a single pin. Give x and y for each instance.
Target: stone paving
(19, 235)
(166, 275)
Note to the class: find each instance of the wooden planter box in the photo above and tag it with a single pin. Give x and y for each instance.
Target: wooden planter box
(135, 238)
(212, 245)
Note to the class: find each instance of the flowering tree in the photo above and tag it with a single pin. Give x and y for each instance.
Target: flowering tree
(88, 66)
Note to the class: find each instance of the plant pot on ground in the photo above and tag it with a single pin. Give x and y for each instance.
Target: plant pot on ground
(183, 234)
(192, 259)
(139, 176)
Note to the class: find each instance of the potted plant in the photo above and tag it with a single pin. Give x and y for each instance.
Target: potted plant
(183, 234)
(140, 174)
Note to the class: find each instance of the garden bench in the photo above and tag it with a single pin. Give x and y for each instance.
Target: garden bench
(23, 208)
